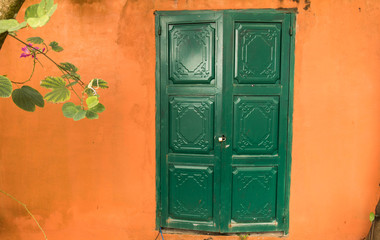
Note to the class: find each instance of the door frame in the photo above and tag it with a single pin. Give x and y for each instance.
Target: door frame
(292, 32)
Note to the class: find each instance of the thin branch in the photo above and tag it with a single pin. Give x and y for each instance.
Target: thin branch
(34, 66)
(72, 89)
(24, 205)
(46, 47)
(77, 79)
(39, 61)
(58, 66)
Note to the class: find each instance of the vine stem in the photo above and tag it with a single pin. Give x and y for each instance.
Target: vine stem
(56, 64)
(24, 205)
(26, 44)
(46, 47)
(30, 77)
(72, 86)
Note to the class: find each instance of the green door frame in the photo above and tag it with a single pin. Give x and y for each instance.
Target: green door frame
(292, 13)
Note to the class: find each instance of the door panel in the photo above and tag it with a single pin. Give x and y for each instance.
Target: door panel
(255, 125)
(191, 124)
(192, 52)
(223, 119)
(257, 52)
(254, 194)
(191, 192)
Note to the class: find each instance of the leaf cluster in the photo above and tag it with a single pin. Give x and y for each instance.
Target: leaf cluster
(76, 112)
(36, 15)
(27, 98)
(61, 87)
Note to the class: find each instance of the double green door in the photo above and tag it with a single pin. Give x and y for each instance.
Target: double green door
(223, 120)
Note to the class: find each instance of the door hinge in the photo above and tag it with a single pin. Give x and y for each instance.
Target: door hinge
(159, 31)
(291, 31)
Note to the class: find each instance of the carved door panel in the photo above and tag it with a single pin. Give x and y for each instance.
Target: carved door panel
(255, 103)
(190, 106)
(223, 73)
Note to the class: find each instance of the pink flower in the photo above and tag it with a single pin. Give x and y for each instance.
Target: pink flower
(30, 51)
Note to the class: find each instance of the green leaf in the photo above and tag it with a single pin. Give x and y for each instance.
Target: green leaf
(7, 24)
(371, 217)
(72, 75)
(31, 12)
(71, 84)
(99, 108)
(44, 7)
(90, 92)
(60, 93)
(68, 67)
(38, 22)
(52, 10)
(97, 82)
(91, 115)
(53, 82)
(69, 110)
(79, 115)
(23, 101)
(54, 45)
(35, 95)
(92, 101)
(18, 27)
(93, 84)
(27, 98)
(35, 40)
(38, 15)
(5, 87)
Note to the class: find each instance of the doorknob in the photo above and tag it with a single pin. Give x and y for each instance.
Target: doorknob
(222, 138)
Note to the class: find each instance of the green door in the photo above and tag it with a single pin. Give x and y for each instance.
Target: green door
(223, 120)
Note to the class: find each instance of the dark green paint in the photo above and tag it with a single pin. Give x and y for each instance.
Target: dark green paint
(224, 73)
(290, 121)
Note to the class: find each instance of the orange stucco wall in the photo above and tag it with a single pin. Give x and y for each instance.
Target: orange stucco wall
(96, 179)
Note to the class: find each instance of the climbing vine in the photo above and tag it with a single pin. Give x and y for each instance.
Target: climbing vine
(62, 87)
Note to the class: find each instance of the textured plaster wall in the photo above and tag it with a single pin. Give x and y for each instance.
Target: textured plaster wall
(96, 179)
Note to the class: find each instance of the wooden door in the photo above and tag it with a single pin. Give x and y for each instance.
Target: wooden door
(222, 120)
(255, 121)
